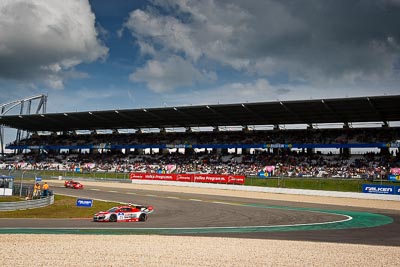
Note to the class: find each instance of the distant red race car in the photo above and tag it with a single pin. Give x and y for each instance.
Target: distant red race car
(73, 184)
(129, 213)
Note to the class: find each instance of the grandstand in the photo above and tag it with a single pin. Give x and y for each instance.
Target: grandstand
(230, 139)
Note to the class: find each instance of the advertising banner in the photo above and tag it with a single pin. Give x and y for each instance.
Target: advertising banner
(264, 174)
(218, 178)
(189, 177)
(84, 202)
(378, 189)
(397, 190)
(184, 177)
(394, 177)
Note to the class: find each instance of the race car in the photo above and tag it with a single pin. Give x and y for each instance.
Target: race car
(73, 184)
(127, 213)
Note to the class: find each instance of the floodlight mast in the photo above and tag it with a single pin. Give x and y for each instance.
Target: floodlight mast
(25, 106)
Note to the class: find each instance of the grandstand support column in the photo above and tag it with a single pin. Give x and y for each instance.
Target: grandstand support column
(246, 151)
(2, 139)
(189, 151)
(75, 151)
(138, 151)
(165, 151)
(345, 151)
(218, 151)
(115, 151)
(384, 151)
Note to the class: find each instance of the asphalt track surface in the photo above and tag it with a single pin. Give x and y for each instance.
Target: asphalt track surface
(222, 216)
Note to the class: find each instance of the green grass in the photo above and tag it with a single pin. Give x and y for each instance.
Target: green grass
(330, 184)
(63, 207)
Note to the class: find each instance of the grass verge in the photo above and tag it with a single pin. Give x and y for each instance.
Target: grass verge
(63, 207)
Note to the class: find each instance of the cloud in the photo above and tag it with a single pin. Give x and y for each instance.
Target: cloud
(167, 31)
(174, 72)
(41, 40)
(235, 92)
(317, 42)
(282, 91)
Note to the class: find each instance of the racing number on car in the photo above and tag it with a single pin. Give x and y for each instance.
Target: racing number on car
(121, 216)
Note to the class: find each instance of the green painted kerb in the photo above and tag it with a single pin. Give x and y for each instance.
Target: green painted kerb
(358, 220)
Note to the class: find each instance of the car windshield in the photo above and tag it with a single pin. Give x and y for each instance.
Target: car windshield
(114, 209)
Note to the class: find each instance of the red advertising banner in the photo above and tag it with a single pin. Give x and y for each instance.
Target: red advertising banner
(188, 177)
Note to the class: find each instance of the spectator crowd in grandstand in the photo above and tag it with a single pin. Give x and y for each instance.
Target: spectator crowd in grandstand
(286, 162)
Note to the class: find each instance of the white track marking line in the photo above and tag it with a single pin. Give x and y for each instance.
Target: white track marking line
(199, 228)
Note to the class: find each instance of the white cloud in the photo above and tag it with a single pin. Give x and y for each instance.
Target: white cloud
(166, 30)
(146, 48)
(237, 92)
(40, 40)
(174, 72)
(311, 41)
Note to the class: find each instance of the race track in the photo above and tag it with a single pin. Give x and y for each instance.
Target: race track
(225, 216)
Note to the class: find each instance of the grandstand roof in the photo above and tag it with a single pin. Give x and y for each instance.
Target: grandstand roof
(338, 110)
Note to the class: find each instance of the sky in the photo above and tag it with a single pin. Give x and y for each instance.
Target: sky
(121, 54)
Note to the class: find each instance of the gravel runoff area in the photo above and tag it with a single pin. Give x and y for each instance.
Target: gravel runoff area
(153, 250)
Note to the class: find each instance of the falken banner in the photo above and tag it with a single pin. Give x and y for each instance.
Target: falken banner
(190, 177)
(381, 189)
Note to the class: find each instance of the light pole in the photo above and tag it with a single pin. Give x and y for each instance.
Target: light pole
(20, 187)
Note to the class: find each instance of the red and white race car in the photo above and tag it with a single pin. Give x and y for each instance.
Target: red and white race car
(73, 184)
(128, 213)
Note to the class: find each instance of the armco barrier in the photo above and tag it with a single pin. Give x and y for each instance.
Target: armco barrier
(27, 204)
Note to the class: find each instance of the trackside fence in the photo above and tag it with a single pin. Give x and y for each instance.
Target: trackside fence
(27, 204)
